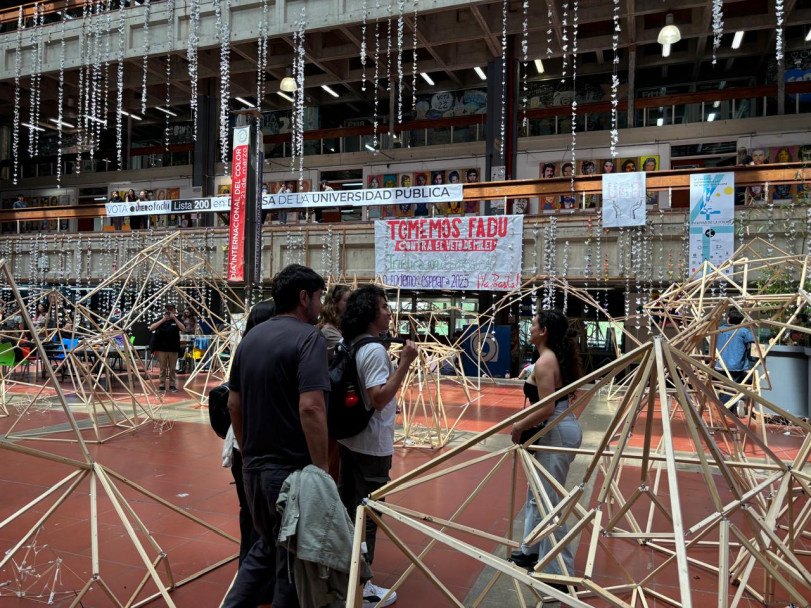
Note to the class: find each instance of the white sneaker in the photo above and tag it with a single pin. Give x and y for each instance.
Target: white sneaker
(372, 594)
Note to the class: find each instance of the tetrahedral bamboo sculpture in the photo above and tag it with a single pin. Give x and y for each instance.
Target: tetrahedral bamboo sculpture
(766, 284)
(751, 529)
(90, 481)
(175, 270)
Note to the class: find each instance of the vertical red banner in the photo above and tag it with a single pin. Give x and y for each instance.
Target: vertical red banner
(239, 182)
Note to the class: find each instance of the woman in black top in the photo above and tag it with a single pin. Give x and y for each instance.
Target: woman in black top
(166, 344)
(557, 366)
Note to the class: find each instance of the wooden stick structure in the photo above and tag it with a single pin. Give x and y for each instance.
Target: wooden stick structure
(91, 481)
(753, 517)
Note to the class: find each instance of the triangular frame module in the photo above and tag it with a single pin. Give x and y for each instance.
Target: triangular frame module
(175, 268)
(90, 479)
(756, 512)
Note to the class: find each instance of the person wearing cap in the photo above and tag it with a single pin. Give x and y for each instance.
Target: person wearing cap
(166, 344)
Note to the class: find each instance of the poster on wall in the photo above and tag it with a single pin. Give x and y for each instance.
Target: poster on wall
(469, 253)
(712, 218)
(624, 199)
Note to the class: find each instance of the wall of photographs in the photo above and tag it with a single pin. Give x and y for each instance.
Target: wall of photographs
(763, 153)
(437, 177)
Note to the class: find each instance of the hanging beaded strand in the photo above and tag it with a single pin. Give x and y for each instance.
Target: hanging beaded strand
(615, 80)
(717, 27)
(18, 64)
(192, 57)
(147, 5)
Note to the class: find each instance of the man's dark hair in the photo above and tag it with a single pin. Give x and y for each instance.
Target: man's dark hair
(472, 172)
(734, 316)
(361, 309)
(289, 282)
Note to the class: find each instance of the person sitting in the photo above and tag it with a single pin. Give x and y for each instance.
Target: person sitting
(733, 346)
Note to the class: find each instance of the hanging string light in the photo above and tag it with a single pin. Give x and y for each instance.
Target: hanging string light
(717, 26)
(170, 8)
(192, 56)
(377, 71)
(82, 100)
(33, 109)
(298, 118)
(549, 29)
(400, 25)
(147, 6)
(778, 10)
(564, 24)
(615, 80)
(363, 47)
(503, 131)
(119, 98)
(224, 30)
(575, 17)
(525, 52)
(261, 63)
(18, 64)
(414, 58)
(388, 46)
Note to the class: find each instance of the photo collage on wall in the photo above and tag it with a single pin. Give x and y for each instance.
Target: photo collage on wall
(778, 193)
(549, 170)
(424, 178)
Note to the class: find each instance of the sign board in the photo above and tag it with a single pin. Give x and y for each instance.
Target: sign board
(449, 193)
(239, 183)
(712, 218)
(463, 253)
(624, 199)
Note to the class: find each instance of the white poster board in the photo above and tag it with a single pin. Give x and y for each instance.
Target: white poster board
(465, 253)
(624, 199)
(712, 218)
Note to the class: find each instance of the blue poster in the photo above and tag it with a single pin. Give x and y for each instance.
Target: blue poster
(494, 345)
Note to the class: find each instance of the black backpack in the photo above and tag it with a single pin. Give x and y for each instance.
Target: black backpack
(218, 414)
(347, 414)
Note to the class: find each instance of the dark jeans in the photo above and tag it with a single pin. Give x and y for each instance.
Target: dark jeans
(266, 565)
(737, 376)
(360, 475)
(248, 536)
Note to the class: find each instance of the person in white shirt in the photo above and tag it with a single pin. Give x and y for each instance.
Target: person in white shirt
(366, 457)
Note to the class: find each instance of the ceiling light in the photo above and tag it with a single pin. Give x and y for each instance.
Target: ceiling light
(63, 123)
(808, 36)
(539, 66)
(480, 73)
(370, 147)
(285, 95)
(660, 122)
(165, 111)
(32, 127)
(665, 50)
(736, 41)
(329, 90)
(288, 85)
(94, 119)
(245, 102)
(133, 116)
(670, 33)
(427, 78)
(716, 104)
(711, 117)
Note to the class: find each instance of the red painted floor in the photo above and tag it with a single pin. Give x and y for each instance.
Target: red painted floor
(182, 465)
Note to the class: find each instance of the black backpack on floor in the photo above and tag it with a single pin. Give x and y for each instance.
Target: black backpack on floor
(347, 414)
(218, 414)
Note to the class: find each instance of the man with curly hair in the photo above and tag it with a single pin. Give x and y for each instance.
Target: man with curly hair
(366, 457)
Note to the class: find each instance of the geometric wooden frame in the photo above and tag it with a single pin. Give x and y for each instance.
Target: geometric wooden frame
(98, 480)
(757, 512)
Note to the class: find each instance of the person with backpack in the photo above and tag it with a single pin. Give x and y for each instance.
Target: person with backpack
(366, 457)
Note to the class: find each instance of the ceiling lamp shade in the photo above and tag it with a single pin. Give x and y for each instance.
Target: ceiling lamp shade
(288, 85)
(670, 33)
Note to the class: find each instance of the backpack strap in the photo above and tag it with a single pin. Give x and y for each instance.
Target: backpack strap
(356, 346)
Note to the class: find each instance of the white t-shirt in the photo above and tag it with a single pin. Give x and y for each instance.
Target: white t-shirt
(374, 369)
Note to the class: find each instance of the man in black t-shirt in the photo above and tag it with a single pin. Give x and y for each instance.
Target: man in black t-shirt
(278, 379)
(166, 344)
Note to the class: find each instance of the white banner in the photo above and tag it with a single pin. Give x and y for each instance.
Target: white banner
(624, 199)
(362, 198)
(449, 193)
(467, 253)
(712, 218)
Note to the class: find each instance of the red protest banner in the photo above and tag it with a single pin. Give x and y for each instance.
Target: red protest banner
(239, 183)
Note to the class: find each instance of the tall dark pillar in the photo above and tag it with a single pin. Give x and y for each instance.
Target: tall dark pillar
(498, 167)
(205, 152)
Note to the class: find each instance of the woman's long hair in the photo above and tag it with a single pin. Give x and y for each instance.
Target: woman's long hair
(329, 312)
(561, 340)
